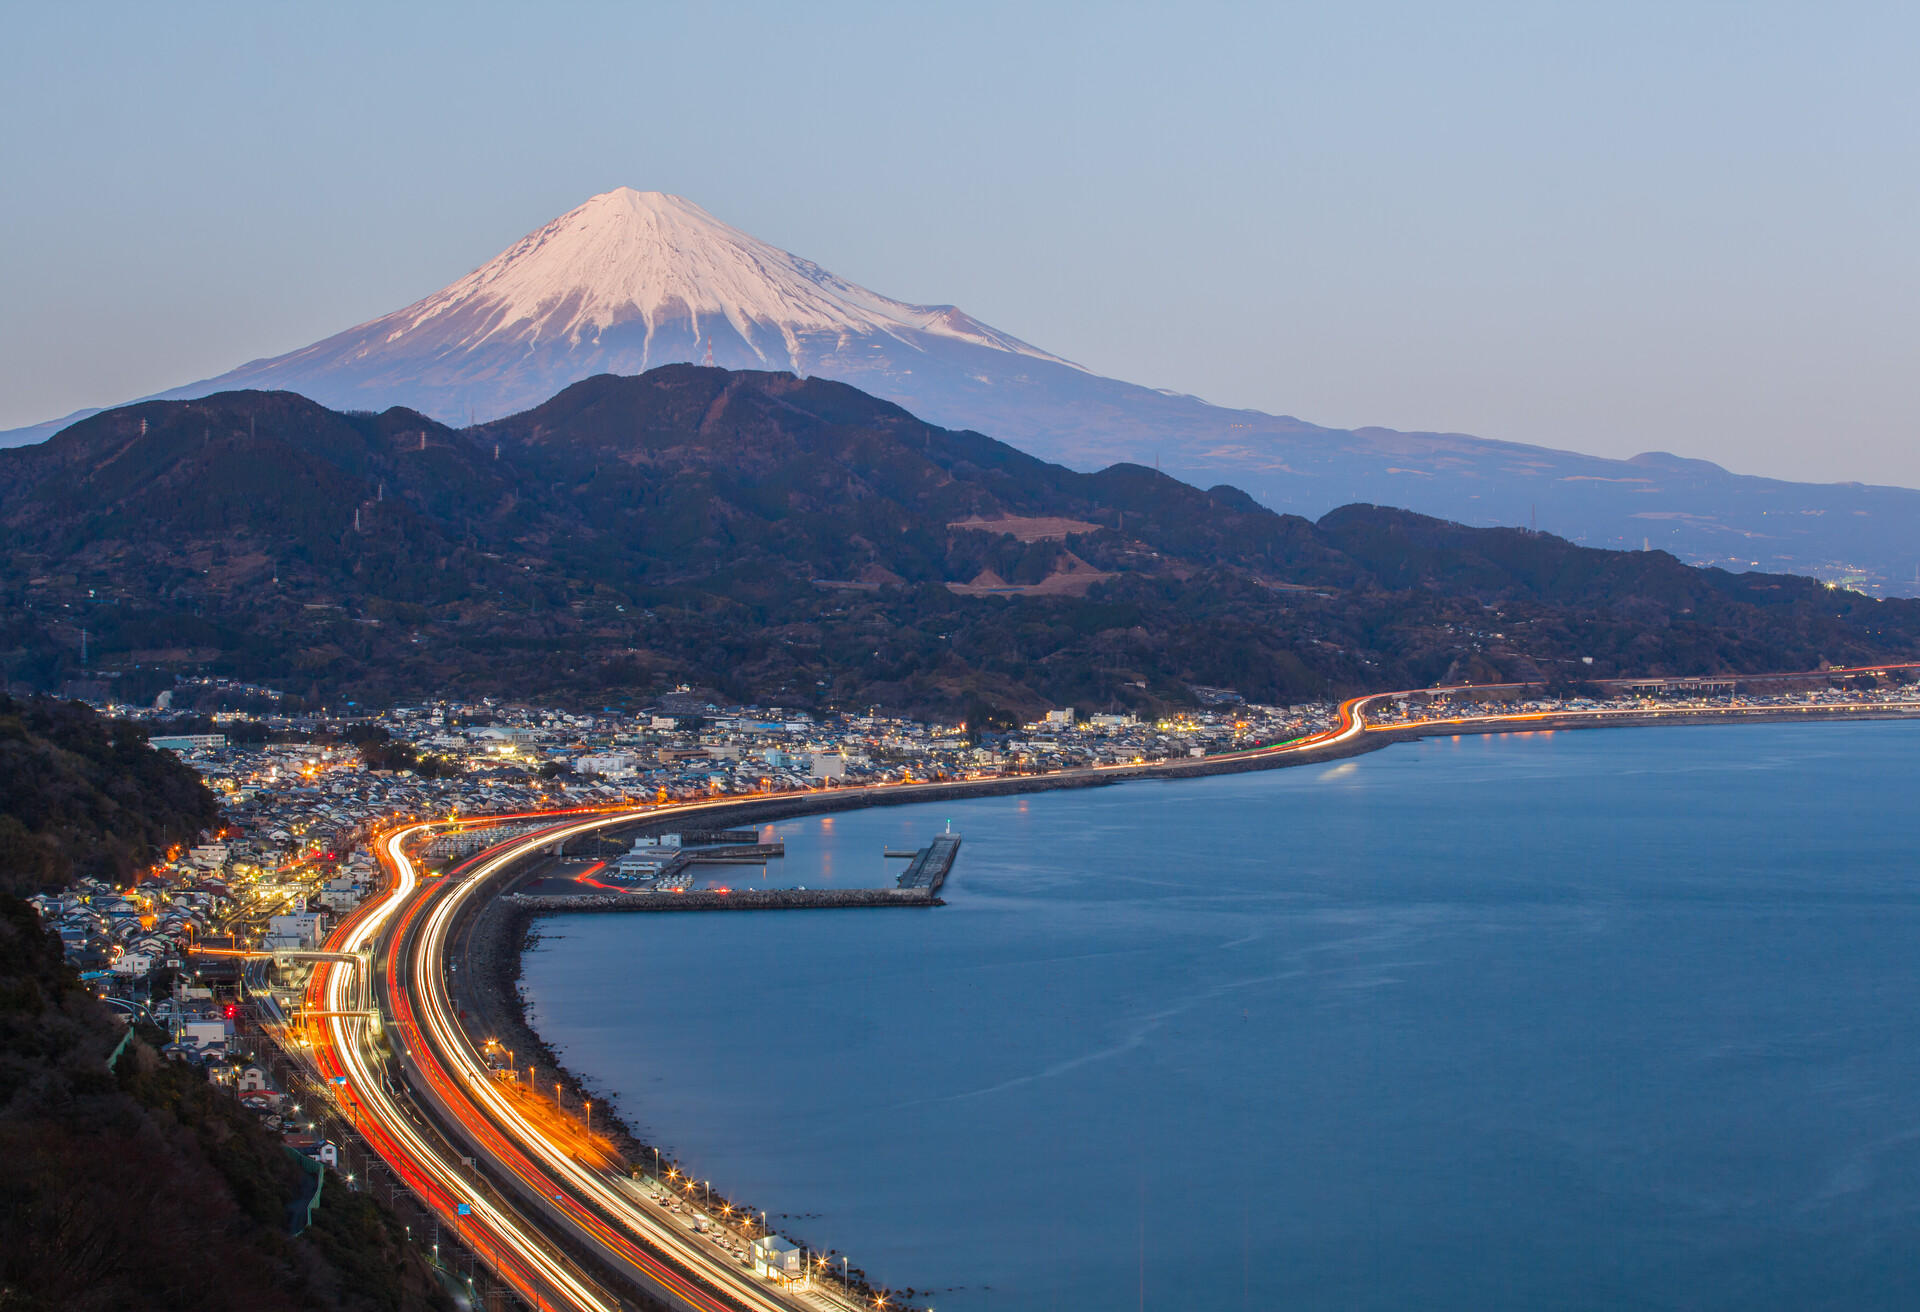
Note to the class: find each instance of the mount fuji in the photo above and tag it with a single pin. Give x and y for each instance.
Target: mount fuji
(632, 280)
(628, 281)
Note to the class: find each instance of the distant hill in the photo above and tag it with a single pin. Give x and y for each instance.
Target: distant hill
(633, 280)
(799, 542)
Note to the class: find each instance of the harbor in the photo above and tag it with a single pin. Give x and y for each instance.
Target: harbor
(659, 873)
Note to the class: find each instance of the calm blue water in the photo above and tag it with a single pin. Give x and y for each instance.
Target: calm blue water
(1605, 1020)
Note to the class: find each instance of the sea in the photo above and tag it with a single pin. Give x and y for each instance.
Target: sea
(1619, 1019)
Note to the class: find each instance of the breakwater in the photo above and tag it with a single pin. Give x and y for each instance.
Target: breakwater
(768, 899)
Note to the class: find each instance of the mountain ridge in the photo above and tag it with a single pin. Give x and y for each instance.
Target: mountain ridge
(798, 542)
(630, 280)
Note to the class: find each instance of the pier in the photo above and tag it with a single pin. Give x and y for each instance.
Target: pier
(726, 837)
(675, 873)
(738, 854)
(930, 864)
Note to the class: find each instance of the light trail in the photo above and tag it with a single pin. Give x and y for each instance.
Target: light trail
(501, 1239)
(497, 1126)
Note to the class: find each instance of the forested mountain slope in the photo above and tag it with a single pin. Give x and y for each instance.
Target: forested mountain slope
(797, 542)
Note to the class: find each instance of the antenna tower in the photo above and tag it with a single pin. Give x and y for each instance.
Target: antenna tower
(709, 350)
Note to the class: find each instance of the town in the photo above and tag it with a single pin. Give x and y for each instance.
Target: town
(299, 806)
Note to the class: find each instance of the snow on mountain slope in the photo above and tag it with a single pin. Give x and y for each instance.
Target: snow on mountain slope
(663, 260)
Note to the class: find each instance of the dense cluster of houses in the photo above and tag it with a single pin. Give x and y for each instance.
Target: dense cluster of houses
(133, 932)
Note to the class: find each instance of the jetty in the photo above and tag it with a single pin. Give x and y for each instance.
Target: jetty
(930, 864)
(713, 837)
(745, 899)
(671, 869)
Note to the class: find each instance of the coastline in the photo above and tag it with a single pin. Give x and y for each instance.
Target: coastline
(492, 938)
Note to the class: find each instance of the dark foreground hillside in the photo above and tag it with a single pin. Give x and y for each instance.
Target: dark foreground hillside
(82, 795)
(129, 1183)
(139, 1186)
(798, 542)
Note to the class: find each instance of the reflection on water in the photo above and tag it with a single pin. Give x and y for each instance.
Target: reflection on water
(1585, 1020)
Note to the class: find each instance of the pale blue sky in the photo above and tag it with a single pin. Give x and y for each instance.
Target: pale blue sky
(1607, 227)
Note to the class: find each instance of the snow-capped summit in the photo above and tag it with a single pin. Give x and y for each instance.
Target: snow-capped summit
(631, 257)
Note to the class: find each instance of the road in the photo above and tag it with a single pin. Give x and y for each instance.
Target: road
(345, 1050)
(424, 1097)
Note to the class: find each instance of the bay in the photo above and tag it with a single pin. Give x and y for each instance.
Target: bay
(1620, 1019)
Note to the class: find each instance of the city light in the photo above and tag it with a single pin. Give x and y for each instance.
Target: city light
(287, 851)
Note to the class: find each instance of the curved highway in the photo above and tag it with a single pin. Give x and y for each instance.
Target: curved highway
(346, 1052)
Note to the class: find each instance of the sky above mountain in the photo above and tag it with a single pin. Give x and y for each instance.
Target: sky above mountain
(1611, 230)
